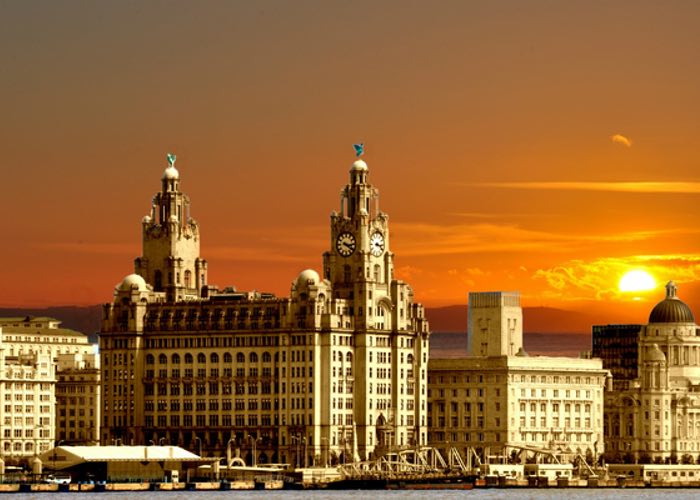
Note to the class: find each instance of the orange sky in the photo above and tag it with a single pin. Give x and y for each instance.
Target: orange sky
(546, 147)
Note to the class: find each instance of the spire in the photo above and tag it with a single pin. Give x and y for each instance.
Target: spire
(671, 290)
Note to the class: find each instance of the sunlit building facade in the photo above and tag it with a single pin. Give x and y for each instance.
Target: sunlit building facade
(336, 371)
(35, 349)
(656, 415)
(494, 399)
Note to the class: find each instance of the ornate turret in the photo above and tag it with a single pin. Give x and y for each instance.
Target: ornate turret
(170, 261)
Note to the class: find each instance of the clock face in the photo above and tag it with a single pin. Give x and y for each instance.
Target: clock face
(345, 244)
(376, 244)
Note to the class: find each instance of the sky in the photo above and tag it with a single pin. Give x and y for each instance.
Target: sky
(541, 146)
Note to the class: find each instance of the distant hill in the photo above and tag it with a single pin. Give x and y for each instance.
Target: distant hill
(454, 344)
(442, 319)
(535, 319)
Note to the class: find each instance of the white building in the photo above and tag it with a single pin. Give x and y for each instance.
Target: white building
(488, 402)
(73, 390)
(335, 371)
(656, 416)
(28, 409)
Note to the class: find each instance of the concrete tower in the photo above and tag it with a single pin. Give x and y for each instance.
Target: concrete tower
(495, 324)
(170, 260)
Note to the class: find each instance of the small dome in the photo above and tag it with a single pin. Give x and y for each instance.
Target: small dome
(173, 218)
(171, 173)
(146, 219)
(655, 354)
(131, 281)
(359, 165)
(307, 277)
(671, 309)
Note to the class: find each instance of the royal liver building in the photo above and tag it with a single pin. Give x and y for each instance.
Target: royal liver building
(334, 372)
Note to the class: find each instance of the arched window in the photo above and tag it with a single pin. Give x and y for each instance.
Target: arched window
(227, 357)
(188, 359)
(150, 359)
(175, 359)
(163, 359)
(214, 358)
(253, 358)
(28, 447)
(201, 358)
(348, 357)
(377, 273)
(188, 279)
(240, 358)
(266, 357)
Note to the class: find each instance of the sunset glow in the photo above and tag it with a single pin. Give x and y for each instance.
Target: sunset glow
(637, 281)
(550, 156)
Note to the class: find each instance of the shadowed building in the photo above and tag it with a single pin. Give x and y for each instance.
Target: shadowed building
(335, 371)
(618, 347)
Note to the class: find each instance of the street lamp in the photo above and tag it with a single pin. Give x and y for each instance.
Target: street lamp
(254, 440)
(160, 441)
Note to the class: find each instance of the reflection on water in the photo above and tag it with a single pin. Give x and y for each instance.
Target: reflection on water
(476, 494)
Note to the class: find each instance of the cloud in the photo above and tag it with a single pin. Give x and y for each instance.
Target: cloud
(682, 187)
(411, 240)
(598, 279)
(621, 139)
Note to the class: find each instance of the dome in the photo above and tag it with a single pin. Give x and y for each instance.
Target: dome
(173, 218)
(655, 354)
(359, 165)
(146, 219)
(131, 281)
(671, 309)
(171, 173)
(306, 276)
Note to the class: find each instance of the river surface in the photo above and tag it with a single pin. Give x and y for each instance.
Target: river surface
(476, 494)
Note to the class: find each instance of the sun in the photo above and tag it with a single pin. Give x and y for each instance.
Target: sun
(637, 281)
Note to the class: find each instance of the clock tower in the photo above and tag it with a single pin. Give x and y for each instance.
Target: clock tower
(360, 263)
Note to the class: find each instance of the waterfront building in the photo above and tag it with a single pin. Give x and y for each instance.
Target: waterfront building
(656, 415)
(27, 342)
(78, 399)
(27, 411)
(336, 371)
(493, 401)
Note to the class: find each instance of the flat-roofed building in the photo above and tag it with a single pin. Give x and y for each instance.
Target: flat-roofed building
(498, 396)
(78, 399)
(75, 391)
(27, 408)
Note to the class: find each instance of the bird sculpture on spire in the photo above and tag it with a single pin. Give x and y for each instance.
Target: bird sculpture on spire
(359, 149)
(171, 159)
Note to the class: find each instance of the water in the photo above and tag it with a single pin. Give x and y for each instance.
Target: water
(476, 494)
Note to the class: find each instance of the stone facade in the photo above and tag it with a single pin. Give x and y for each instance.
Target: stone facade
(656, 416)
(78, 399)
(28, 409)
(335, 371)
(499, 396)
(27, 341)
